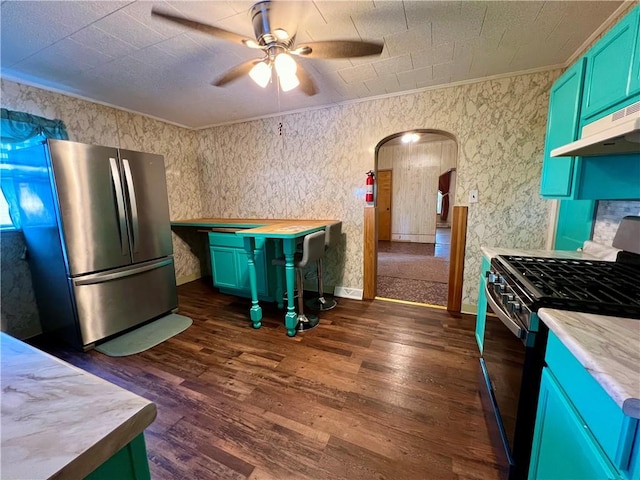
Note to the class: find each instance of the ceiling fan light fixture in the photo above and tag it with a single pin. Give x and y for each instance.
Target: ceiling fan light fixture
(281, 34)
(288, 82)
(285, 65)
(261, 73)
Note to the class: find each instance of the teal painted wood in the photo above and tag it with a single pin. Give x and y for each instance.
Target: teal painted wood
(481, 315)
(224, 267)
(129, 463)
(615, 177)
(250, 252)
(562, 128)
(291, 318)
(563, 449)
(609, 66)
(634, 80)
(613, 430)
(574, 224)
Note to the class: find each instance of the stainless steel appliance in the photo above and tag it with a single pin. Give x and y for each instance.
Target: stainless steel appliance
(515, 339)
(96, 224)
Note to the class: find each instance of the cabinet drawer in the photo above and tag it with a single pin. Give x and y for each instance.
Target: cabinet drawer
(217, 239)
(613, 430)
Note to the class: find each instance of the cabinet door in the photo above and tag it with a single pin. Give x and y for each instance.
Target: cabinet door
(563, 447)
(224, 267)
(562, 128)
(609, 67)
(634, 81)
(575, 223)
(481, 316)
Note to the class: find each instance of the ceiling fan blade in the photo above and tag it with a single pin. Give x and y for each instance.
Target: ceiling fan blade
(235, 73)
(338, 49)
(307, 84)
(205, 28)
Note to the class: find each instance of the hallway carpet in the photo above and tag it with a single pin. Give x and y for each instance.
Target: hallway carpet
(413, 272)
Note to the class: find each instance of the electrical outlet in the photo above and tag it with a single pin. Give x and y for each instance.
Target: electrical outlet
(473, 196)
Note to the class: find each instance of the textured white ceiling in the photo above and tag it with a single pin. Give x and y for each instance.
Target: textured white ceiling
(114, 52)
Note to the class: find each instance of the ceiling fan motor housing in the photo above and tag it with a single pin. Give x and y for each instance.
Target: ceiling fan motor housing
(265, 36)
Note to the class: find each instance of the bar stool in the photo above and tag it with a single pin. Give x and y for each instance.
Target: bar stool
(332, 234)
(312, 250)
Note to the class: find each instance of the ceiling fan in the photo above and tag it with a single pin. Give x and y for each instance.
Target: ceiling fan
(278, 48)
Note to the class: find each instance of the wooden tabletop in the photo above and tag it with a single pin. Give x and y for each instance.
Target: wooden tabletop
(271, 227)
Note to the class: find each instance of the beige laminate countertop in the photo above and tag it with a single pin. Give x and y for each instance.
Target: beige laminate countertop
(608, 347)
(60, 421)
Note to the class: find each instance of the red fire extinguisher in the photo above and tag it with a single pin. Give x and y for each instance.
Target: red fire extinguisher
(368, 196)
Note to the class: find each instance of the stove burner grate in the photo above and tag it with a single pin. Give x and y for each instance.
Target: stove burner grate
(606, 288)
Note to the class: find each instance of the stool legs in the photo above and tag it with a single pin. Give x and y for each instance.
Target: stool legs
(305, 322)
(321, 303)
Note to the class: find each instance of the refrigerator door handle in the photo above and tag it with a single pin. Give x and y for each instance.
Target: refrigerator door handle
(133, 204)
(117, 185)
(107, 277)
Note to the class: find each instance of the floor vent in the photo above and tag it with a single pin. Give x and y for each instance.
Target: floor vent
(346, 292)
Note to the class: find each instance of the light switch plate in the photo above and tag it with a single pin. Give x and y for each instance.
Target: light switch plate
(473, 196)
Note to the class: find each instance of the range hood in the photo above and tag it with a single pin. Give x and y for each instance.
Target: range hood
(613, 134)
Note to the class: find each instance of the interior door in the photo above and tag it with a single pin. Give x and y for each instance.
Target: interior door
(146, 193)
(91, 206)
(384, 178)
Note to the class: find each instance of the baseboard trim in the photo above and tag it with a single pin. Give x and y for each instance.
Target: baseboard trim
(469, 308)
(187, 278)
(346, 292)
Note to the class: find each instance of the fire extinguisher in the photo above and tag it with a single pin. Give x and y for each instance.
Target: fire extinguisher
(368, 196)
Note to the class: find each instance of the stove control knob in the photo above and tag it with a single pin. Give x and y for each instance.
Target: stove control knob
(507, 297)
(514, 306)
(498, 287)
(492, 277)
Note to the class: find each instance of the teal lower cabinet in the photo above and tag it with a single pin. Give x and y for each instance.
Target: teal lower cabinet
(580, 432)
(563, 447)
(230, 268)
(481, 316)
(130, 463)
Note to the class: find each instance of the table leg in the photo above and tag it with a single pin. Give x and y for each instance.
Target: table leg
(291, 318)
(256, 311)
(279, 279)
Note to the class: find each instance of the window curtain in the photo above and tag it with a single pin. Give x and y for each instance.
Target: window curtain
(19, 130)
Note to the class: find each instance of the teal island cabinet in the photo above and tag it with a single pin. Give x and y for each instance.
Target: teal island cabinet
(589, 403)
(242, 251)
(61, 422)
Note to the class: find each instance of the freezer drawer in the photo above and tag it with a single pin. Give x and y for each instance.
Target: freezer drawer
(112, 301)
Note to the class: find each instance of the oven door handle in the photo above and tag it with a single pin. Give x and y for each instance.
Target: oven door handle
(508, 322)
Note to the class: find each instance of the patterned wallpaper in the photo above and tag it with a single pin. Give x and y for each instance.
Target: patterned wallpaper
(316, 168)
(92, 123)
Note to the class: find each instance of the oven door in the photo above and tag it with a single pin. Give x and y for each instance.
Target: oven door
(509, 366)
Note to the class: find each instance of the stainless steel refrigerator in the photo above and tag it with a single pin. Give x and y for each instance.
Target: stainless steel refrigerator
(96, 225)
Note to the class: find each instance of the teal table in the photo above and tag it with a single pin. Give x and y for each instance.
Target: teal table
(287, 231)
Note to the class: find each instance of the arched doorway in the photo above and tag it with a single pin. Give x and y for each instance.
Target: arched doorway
(409, 241)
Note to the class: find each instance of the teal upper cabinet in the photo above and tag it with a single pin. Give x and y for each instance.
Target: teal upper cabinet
(562, 128)
(611, 66)
(634, 81)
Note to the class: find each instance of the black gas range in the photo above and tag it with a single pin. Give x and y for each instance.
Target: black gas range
(515, 341)
(590, 286)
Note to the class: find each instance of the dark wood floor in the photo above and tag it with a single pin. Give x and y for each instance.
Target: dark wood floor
(378, 391)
